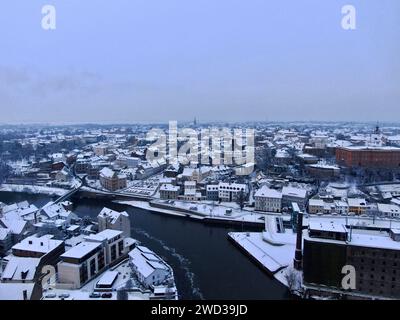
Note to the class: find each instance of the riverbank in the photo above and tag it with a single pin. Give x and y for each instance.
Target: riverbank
(207, 213)
(33, 189)
(206, 265)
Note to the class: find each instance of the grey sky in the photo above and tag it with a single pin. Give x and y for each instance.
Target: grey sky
(160, 60)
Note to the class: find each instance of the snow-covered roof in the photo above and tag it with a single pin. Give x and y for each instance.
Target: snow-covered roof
(4, 232)
(81, 250)
(356, 202)
(107, 173)
(169, 187)
(146, 261)
(107, 234)
(42, 244)
(16, 226)
(294, 192)
(327, 226)
(20, 268)
(108, 278)
(316, 202)
(112, 214)
(266, 192)
(388, 208)
(14, 291)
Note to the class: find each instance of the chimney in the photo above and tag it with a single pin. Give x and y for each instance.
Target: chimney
(25, 295)
(298, 257)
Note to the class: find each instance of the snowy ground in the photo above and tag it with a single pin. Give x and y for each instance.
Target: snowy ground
(200, 210)
(33, 189)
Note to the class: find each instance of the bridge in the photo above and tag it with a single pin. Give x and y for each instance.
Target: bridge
(68, 194)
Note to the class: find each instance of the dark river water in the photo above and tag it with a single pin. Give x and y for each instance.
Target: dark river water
(205, 263)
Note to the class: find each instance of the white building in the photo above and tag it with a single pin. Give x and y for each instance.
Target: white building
(110, 219)
(112, 241)
(231, 191)
(389, 210)
(89, 258)
(150, 269)
(267, 199)
(81, 263)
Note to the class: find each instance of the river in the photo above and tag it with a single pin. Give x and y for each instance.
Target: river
(205, 263)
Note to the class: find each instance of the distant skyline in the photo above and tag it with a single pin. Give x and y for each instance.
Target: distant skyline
(131, 61)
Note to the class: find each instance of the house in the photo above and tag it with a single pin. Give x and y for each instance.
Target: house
(114, 220)
(357, 205)
(231, 191)
(56, 211)
(44, 247)
(22, 270)
(267, 199)
(63, 175)
(18, 227)
(389, 210)
(150, 269)
(190, 192)
(315, 206)
(212, 192)
(169, 191)
(111, 180)
(100, 149)
(292, 194)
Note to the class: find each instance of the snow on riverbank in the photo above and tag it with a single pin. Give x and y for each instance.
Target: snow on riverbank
(199, 210)
(32, 189)
(272, 257)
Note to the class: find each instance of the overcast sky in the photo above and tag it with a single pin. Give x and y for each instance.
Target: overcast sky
(159, 60)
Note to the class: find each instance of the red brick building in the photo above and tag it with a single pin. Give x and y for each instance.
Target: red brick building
(369, 157)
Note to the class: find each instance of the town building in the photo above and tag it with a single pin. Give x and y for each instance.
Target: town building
(111, 180)
(114, 220)
(292, 194)
(169, 191)
(150, 269)
(81, 263)
(375, 257)
(369, 157)
(268, 200)
(112, 241)
(358, 205)
(231, 191)
(212, 192)
(44, 247)
(388, 210)
(323, 171)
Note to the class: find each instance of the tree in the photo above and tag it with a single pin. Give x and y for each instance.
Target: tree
(241, 200)
(293, 280)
